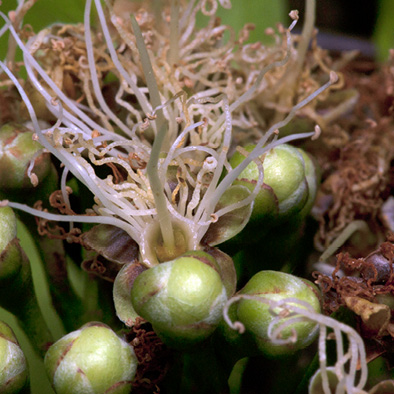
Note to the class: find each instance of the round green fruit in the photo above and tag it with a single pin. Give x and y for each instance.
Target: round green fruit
(14, 373)
(91, 360)
(285, 188)
(256, 316)
(182, 299)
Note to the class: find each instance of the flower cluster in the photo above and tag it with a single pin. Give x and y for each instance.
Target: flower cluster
(158, 112)
(146, 115)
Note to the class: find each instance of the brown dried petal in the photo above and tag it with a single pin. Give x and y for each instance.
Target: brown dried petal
(111, 242)
(376, 317)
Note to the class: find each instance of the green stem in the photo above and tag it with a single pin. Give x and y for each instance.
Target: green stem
(152, 167)
(292, 78)
(64, 299)
(90, 297)
(307, 30)
(174, 33)
(202, 372)
(163, 214)
(149, 74)
(32, 322)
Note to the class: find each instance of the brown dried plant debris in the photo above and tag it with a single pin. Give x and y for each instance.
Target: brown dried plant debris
(365, 278)
(366, 289)
(153, 358)
(52, 229)
(357, 175)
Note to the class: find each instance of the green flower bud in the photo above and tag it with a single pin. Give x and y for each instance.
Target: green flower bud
(17, 150)
(91, 360)
(285, 188)
(7, 227)
(256, 316)
(13, 367)
(182, 298)
(11, 254)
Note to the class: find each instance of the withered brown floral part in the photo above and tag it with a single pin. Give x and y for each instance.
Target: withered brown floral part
(153, 358)
(364, 277)
(366, 289)
(356, 161)
(52, 229)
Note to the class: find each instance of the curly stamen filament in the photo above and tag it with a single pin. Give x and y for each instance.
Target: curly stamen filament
(356, 351)
(142, 100)
(68, 119)
(83, 173)
(71, 218)
(261, 148)
(93, 72)
(220, 162)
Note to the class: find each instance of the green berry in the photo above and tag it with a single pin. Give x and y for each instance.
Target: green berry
(17, 149)
(285, 188)
(13, 366)
(91, 360)
(182, 298)
(7, 227)
(256, 316)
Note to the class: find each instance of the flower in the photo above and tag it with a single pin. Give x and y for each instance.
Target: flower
(156, 111)
(144, 114)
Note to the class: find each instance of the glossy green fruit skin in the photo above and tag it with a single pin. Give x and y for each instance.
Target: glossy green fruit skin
(256, 317)
(290, 183)
(91, 360)
(182, 299)
(14, 373)
(17, 149)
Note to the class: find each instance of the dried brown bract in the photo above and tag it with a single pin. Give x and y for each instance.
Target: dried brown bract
(357, 172)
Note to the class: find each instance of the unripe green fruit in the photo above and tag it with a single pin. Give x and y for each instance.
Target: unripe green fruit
(17, 149)
(285, 188)
(256, 317)
(11, 254)
(7, 227)
(91, 360)
(13, 367)
(182, 299)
